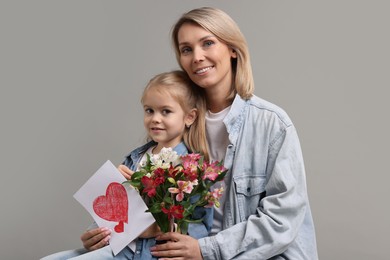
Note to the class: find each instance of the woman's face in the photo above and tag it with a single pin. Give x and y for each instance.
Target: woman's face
(206, 60)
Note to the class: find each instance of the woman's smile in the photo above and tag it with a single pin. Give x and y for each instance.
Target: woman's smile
(203, 70)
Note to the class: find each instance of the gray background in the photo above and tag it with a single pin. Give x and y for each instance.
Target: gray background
(72, 73)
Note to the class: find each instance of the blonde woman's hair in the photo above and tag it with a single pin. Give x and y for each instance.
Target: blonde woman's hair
(178, 85)
(227, 31)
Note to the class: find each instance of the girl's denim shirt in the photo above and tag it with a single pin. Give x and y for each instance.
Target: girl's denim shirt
(266, 213)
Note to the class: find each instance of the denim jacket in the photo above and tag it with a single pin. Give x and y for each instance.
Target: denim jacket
(266, 213)
(196, 230)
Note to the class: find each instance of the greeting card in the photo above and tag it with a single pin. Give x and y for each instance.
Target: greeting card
(114, 205)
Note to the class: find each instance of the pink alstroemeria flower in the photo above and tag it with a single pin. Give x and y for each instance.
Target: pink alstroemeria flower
(183, 187)
(190, 164)
(190, 160)
(213, 197)
(212, 170)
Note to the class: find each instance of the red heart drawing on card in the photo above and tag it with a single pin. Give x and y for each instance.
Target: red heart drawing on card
(113, 206)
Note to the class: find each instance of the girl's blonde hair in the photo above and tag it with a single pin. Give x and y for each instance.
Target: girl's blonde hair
(178, 85)
(227, 31)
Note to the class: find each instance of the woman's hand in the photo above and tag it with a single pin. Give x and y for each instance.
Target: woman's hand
(178, 247)
(125, 171)
(95, 238)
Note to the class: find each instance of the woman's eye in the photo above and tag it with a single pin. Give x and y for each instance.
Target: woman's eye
(185, 50)
(148, 111)
(208, 43)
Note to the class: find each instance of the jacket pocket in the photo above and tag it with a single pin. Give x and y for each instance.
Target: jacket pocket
(250, 190)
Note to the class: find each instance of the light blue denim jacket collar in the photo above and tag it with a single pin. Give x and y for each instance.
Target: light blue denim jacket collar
(234, 119)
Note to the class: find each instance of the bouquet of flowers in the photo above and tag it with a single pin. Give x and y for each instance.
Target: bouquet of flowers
(173, 186)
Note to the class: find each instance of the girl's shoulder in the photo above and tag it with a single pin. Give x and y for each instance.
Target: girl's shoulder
(181, 149)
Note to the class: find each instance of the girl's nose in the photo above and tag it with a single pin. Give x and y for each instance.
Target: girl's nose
(156, 118)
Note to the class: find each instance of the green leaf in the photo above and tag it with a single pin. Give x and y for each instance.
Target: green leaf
(168, 200)
(136, 184)
(137, 175)
(183, 227)
(201, 159)
(162, 221)
(220, 176)
(193, 220)
(155, 208)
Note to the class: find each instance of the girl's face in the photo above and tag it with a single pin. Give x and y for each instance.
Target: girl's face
(164, 118)
(206, 60)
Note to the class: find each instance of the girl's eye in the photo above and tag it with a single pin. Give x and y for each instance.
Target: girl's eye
(148, 110)
(166, 112)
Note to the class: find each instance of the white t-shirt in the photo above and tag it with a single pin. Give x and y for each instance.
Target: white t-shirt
(218, 140)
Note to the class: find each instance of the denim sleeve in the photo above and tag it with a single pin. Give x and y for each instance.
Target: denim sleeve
(279, 215)
(202, 229)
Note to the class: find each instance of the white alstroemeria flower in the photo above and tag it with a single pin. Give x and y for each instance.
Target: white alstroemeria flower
(142, 164)
(165, 158)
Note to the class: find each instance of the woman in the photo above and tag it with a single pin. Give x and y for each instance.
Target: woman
(265, 213)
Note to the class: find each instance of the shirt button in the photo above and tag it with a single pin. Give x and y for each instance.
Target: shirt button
(138, 252)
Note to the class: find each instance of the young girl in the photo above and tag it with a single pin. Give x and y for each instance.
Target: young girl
(174, 112)
(174, 116)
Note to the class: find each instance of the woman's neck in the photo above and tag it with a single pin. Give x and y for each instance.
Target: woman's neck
(217, 102)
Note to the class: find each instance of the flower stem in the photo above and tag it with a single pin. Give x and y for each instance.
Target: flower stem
(172, 224)
(172, 220)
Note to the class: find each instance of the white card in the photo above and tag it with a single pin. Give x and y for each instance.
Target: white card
(115, 206)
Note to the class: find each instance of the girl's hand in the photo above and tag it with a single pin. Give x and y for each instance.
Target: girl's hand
(126, 172)
(178, 247)
(95, 238)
